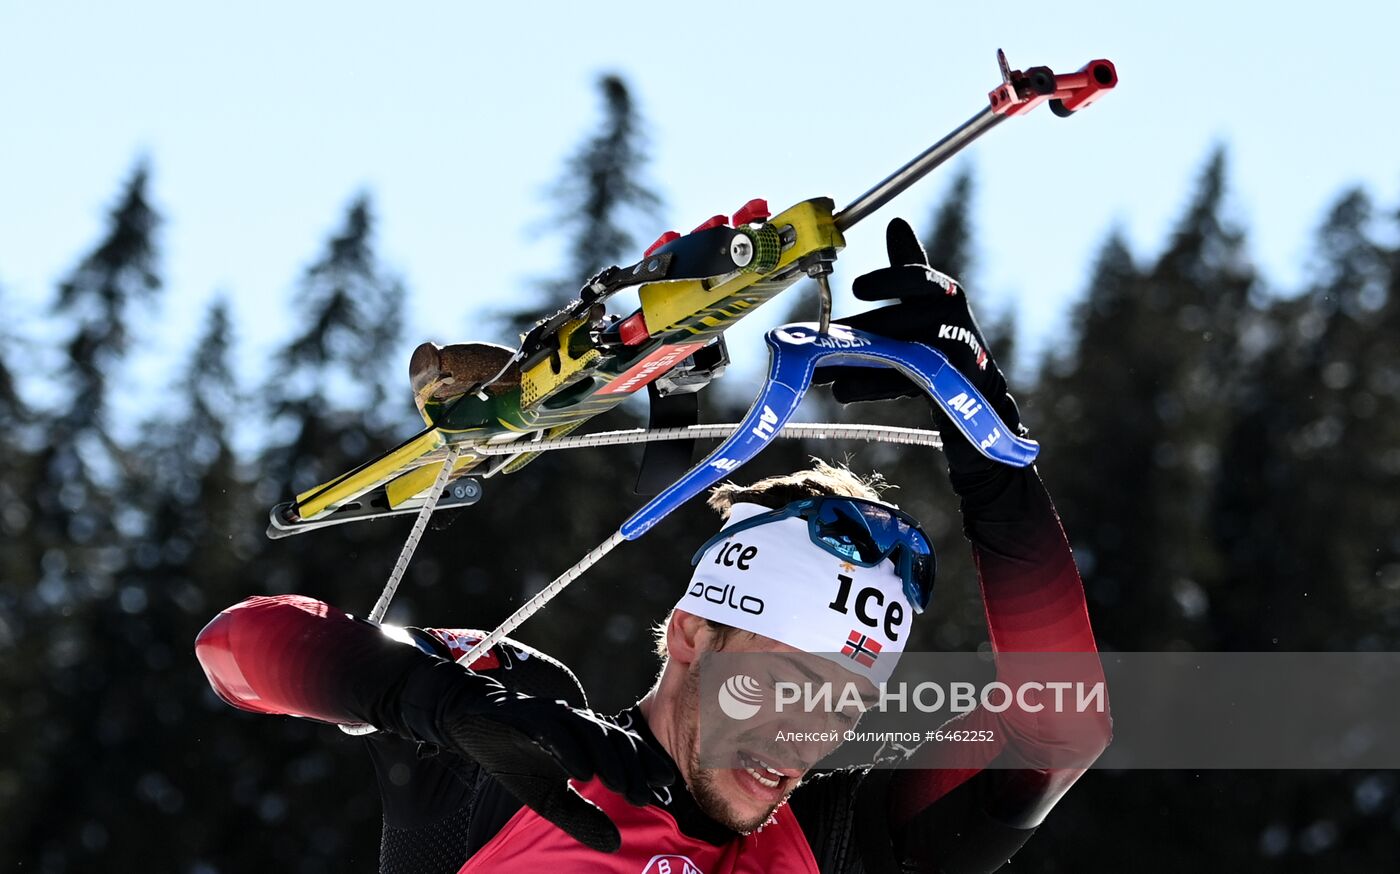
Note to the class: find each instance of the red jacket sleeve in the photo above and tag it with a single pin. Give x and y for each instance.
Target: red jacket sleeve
(1034, 604)
(293, 655)
(296, 656)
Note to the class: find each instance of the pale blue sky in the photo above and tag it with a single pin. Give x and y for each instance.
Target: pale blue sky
(262, 119)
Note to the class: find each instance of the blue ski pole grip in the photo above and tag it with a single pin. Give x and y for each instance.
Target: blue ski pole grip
(794, 351)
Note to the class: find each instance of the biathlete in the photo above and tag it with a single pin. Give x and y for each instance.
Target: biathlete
(504, 768)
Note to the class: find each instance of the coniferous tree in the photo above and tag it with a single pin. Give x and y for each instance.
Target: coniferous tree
(1383, 381)
(1002, 338)
(602, 197)
(13, 411)
(17, 561)
(1303, 457)
(1226, 471)
(353, 317)
(332, 373)
(327, 405)
(1199, 290)
(198, 529)
(14, 464)
(1134, 412)
(948, 239)
(1303, 515)
(146, 726)
(1296, 507)
(202, 534)
(97, 296)
(1094, 411)
(75, 529)
(96, 299)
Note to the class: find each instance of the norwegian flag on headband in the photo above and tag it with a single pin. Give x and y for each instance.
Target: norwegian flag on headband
(861, 648)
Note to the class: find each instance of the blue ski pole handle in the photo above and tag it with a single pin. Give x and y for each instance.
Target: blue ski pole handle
(794, 351)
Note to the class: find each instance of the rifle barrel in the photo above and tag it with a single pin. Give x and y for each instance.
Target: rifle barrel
(918, 168)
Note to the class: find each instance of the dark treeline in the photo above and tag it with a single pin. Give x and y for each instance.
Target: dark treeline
(1225, 455)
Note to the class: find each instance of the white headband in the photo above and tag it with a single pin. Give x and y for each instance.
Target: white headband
(773, 580)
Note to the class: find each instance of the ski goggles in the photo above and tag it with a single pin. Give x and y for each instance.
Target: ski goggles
(862, 532)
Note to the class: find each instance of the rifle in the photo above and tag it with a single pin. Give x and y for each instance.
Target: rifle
(491, 410)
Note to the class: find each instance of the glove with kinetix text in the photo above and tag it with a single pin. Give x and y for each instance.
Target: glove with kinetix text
(932, 310)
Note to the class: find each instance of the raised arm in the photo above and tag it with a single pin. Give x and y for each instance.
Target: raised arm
(967, 807)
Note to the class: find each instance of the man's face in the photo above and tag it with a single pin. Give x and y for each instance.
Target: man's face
(744, 798)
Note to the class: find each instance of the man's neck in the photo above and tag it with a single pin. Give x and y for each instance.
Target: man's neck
(658, 709)
(655, 711)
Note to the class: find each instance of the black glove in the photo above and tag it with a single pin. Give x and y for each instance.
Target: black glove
(933, 310)
(534, 745)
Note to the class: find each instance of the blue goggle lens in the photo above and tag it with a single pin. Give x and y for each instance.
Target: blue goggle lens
(867, 533)
(861, 532)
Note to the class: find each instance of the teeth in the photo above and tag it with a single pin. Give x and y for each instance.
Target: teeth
(766, 781)
(763, 772)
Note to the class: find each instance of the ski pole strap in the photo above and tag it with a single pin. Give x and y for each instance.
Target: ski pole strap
(794, 351)
(543, 597)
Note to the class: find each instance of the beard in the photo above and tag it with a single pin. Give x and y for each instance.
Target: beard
(712, 803)
(702, 782)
